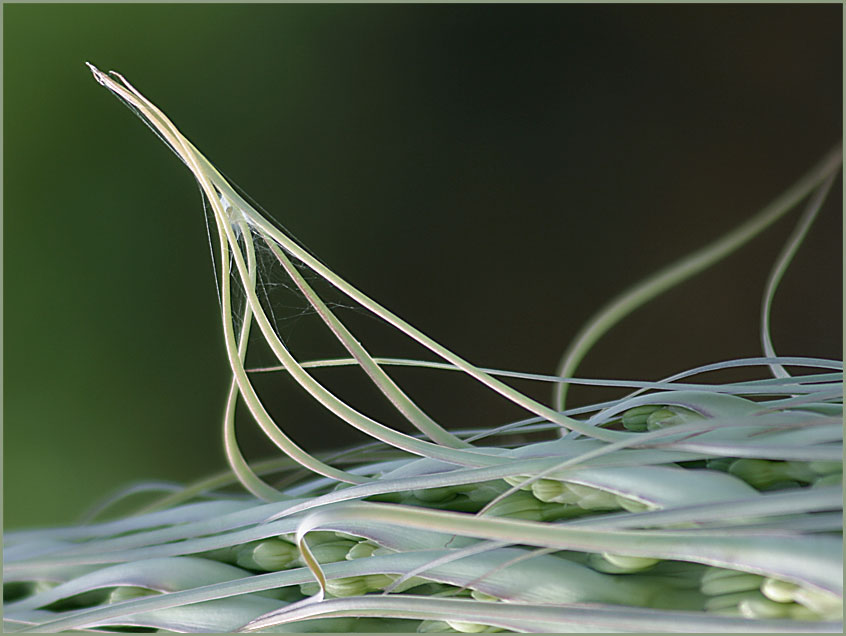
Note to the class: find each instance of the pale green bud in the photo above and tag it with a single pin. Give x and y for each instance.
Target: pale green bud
(518, 505)
(471, 628)
(361, 550)
(378, 582)
(778, 590)
(716, 581)
(742, 583)
(766, 474)
(127, 592)
(670, 416)
(321, 536)
(599, 501)
(331, 551)
(635, 419)
(348, 586)
(599, 563)
(662, 418)
(757, 472)
(728, 603)
(763, 608)
(630, 563)
(516, 480)
(268, 555)
(719, 463)
(434, 627)
(524, 505)
(593, 498)
(618, 564)
(552, 490)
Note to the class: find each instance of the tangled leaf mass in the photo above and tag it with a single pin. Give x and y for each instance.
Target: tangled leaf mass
(683, 506)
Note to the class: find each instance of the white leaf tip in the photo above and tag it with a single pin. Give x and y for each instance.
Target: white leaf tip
(98, 74)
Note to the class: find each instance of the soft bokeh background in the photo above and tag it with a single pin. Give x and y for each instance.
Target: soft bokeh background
(514, 166)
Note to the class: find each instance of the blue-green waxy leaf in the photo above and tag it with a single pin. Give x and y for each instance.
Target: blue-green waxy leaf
(538, 618)
(163, 575)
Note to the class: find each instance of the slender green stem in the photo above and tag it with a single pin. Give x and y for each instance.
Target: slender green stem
(248, 478)
(386, 385)
(782, 263)
(638, 295)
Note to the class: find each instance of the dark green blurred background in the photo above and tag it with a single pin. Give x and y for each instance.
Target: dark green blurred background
(516, 165)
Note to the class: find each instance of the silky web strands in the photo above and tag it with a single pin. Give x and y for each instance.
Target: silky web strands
(683, 506)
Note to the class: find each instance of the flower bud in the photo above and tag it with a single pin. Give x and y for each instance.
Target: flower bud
(347, 586)
(630, 563)
(127, 592)
(763, 608)
(662, 418)
(635, 419)
(717, 581)
(471, 628)
(552, 490)
(727, 604)
(518, 505)
(434, 627)
(593, 498)
(719, 463)
(361, 550)
(516, 480)
(768, 475)
(268, 555)
(778, 590)
(331, 551)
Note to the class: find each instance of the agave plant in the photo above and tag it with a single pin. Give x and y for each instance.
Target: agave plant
(683, 506)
